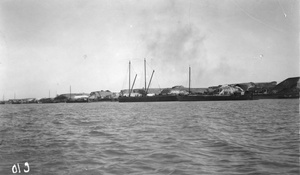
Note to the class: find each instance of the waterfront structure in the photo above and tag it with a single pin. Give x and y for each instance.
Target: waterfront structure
(289, 88)
(46, 100)
(219, 93)
(22, 101)
(72, 98)
(103, 96)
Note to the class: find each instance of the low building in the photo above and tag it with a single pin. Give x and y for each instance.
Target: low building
(22, 101)
(288, 86)
(46, 100)
(103, 95)
(71, 96)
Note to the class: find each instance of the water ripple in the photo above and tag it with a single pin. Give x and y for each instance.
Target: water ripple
(249, 137)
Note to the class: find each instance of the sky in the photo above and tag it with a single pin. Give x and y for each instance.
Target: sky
(50, 45)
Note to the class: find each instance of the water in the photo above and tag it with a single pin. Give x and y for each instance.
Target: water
(168, 138)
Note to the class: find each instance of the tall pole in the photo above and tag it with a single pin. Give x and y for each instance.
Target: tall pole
(189, 80)
(150, 82)
(49, 93)
(70, 91)
(129, 80)
(14, 95)
(133, 83)
(145, 73)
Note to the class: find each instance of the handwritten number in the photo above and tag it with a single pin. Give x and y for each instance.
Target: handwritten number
(19, 167)
(14, 169)
(28, 169)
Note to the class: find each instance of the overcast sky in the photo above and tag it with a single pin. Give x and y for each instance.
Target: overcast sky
(51, 44)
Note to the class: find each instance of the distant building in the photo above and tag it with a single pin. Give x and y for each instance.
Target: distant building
(290, 85)
(22, 101)
(103, 95)
(72, 96)
(263, 87)
(46, 100)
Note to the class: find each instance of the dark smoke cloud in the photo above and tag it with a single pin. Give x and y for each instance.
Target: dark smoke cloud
(175, 49)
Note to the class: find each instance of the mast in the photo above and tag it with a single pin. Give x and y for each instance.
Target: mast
(150, 82)
(129, 81)
(145, 73)
(49, 93)
(70, 91)
(133, 83)
(189, 80)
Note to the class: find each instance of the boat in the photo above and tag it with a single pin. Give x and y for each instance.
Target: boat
(145, 97)
(246, 96)
(215, 97)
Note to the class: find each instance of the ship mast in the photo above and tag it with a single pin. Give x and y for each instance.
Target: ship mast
(133, 83)
(129, 81)
(150, 82)
(145, 73)
(189, 80)
(70, 91)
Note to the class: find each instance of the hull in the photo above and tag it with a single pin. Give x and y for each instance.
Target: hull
(156, 98)
(215, 97)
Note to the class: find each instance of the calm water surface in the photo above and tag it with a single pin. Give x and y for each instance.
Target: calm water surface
(168, 138)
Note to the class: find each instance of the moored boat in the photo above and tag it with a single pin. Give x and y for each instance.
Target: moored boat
(246, 96)
(227, 93)
(145, 97)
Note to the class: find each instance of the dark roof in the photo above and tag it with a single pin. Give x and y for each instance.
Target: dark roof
(287, 84)
(266, 85)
